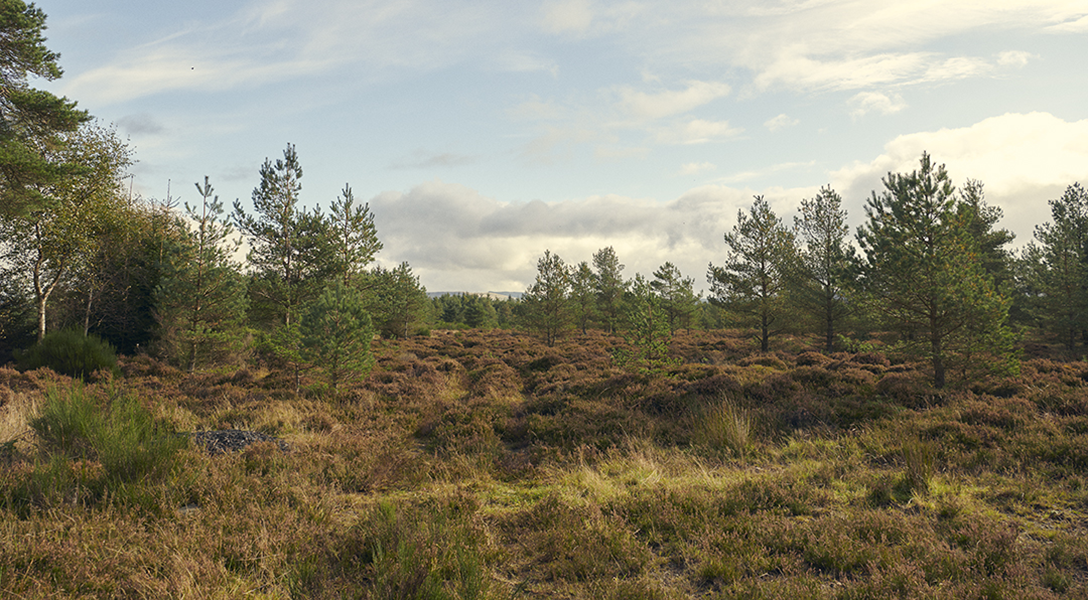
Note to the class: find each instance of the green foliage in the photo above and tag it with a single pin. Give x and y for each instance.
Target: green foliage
(336, 334)
(546, 306)
(201, 300)
(397, 301)
(752, 282)
(116, 432)
(924, 274)
(646, 328)
(677, 294)
(32, 122)
(583, 296)
(291, 252)
(724, 425)
(353, 236)
(823, 275)
(609, 285)
(70, 353)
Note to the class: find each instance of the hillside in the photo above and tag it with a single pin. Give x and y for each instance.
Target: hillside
(486, 465)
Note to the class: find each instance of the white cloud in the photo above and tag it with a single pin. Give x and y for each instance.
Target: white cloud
(1023, 160)
(864, 103)
(698, 131)
(567, 16)
(670, 102)
(693, 168)
(1014, 58)
(782, 121)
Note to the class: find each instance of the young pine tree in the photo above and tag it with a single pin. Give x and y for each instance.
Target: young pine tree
(677, 294)
(1057, 267)
(202, 298)
(924, 273)
(546, 306)
(336, 333)
(751, 284)
(610, 286)
(647, 327)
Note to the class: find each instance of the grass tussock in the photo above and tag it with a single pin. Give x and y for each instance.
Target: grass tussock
(485, 465)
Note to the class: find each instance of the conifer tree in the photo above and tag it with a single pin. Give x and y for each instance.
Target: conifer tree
(32, 122)
(751, 283)
(1057, 267)
(923, 271)
(336, 332)
(397, 301)
(677, 294)
(823, 271)
(546, 304)
(353, 236)
(609, 284)
(583, 296)
(202, 299)
(646, 329)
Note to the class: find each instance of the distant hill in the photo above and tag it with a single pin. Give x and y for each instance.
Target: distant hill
(492, 295)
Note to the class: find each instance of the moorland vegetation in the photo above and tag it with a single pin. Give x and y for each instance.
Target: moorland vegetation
(902, 413)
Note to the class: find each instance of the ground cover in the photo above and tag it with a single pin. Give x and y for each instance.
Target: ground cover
(488, 465)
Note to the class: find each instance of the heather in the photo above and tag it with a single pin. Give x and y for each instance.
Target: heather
(473, 464)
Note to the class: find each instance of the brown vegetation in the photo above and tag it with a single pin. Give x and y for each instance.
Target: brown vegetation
(477, 464)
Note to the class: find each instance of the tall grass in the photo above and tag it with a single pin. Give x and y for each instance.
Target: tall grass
(724, 425)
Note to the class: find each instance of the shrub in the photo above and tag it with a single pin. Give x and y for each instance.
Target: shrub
(70, 353)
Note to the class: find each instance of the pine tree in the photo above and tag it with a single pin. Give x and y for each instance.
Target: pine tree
(646, 328)
(751, 283)
(397, 301)
(824, 269)
(202, 299)
(291, 253)
(609, 284)
(677, 294)
(583, 296)
(33, 123)
(353, 236)
(1058, 267)
(924, 272)
(336, 332)
(546, 306)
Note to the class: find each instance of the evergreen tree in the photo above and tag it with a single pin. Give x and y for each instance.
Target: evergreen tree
(824, 267)
(353, 236)
(202, 299)
(336, 332)
(33, 123)
(479, 312)
(647, 328)
(398, 302)
(583, 296)
(546, 306)
(751, 283)
(923, 270)
(291, 253)
(1057, 267)
(677, 294)
(609, 285)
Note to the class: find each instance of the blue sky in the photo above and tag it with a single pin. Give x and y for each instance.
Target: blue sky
(483, 132)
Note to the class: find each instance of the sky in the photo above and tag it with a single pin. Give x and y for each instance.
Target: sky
(484, 132)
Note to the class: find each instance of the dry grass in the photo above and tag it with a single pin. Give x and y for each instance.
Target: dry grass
(485, 465)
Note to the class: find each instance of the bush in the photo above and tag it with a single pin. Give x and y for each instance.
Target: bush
(69, 353)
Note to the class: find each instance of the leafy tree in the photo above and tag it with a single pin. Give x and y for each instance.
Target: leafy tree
(48, 242)
(1057, 267)
(677, 294)
(752, 282)
(290, 250)
(336, 332)
(546, 306)
(202, 299)
(825, 260)
(609, 284)
(647, 327)
(398, 302)
(583, 296)
(924, 271)
(33, 123)
(353, 236)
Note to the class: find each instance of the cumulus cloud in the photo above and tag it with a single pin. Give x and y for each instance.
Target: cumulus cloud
(459, 239)
(422, 159)
(567, 16)
(1022, 159)
(782, 121)
(1014, 58)
(864, 103)
(654, 105)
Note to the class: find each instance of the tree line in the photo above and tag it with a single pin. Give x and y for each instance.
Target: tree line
(79, 252)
